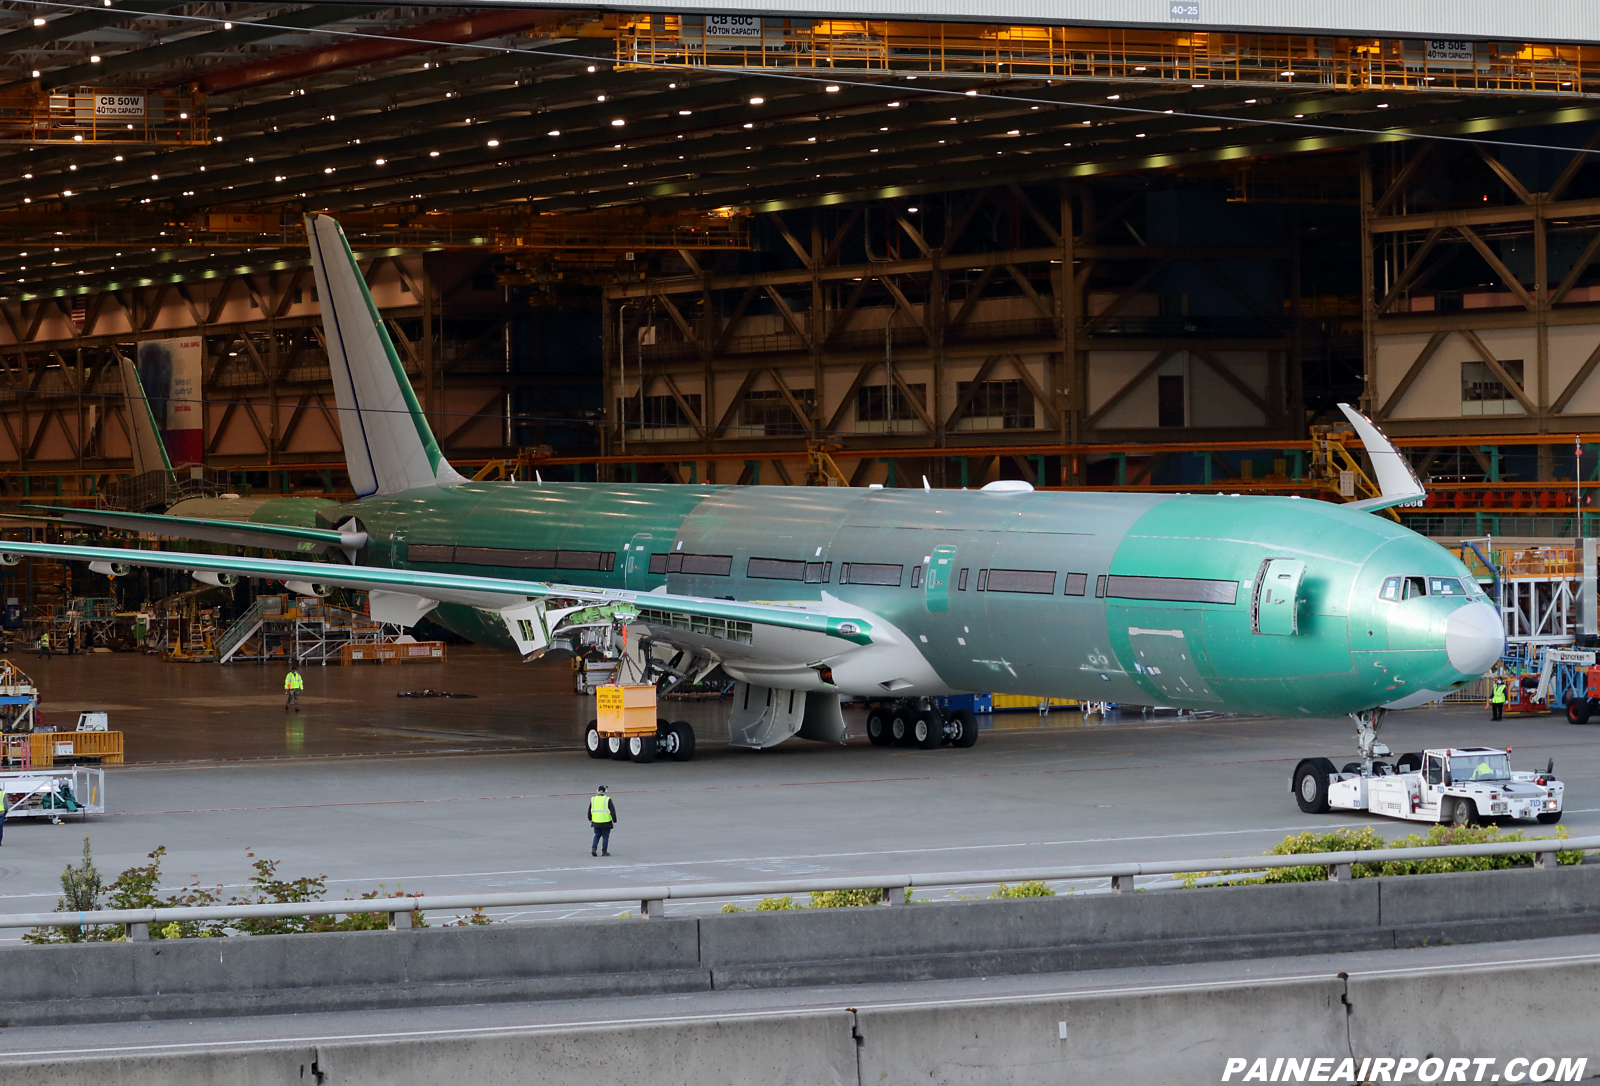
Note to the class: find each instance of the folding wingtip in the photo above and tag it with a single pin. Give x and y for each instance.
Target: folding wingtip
(1397, 482)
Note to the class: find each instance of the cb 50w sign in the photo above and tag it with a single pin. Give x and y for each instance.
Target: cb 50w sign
(119, 105)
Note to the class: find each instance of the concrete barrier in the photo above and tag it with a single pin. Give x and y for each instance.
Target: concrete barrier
(577, 959)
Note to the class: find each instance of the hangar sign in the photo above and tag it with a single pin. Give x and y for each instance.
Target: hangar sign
(119, 105)
(733, 26)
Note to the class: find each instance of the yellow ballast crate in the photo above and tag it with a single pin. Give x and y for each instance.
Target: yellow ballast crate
(626, 709)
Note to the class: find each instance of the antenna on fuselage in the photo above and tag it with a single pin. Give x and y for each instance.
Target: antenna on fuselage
(925, 485)
(538, 477)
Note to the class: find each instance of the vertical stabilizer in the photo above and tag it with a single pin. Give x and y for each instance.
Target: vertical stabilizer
(387, 440)
(149, 451)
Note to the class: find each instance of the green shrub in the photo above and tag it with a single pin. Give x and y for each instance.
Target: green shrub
(730, 907)
(1023, 889)
(844, 899)
(775, 904)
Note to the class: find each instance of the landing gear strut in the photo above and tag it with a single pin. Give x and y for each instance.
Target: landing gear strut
(918, 722)
(1368, 721)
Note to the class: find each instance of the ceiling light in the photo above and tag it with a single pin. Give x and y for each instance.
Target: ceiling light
(1198, 86)
(279, 177)
(433, 154)
(94, 60)
(1249, 101)
(552, 132)
(752, 126)
(618, 123)
(36, 73)
(912, 210)
(1138, 135)
(1383, 105)
(379, 161)
(494, 143)
(1140, 68)
(1112, 97)
(66, 192)
(29, 176)
(972, 94)
(685, 112)
(591, 67)
(757, 101)
(673, 86)
(74, 166)
(600, 98)
(38, 21)
(327, 169)
(811, 139)
(892, 105)
(1015, 132)
(225, 26)
(831, 88)
(1290, 74)
(1297, 116)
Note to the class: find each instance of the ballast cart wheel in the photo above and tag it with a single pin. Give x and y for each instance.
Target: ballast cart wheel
(642, 748)
(617, 748)
(594, 743)
(1311, 785)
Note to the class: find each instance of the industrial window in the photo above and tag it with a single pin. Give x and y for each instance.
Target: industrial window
(1076, 584)
(1173, 589)
(768, 414)
(1170, 405)
(961, 581)
(996, 405)
(658, 563)
(884, 409)
(871, 573)
(1483, 393)
(661, 417)
(983, 580)
(1099, 586)
(428, 552)
(818, 572)
(1037, 581)
(776, 569)
(916, 576)
(714, 565)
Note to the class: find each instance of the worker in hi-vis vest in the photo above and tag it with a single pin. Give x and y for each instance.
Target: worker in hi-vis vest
(1497, 696)
(44, 646)
(602, 816)
(292, 685)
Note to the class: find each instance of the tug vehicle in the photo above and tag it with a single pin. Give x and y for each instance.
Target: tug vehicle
(1462, 786)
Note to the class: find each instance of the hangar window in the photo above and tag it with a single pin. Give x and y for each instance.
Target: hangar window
(1037, 581)
(658, 563)
(1173, 589)
(995, 405)
(871, 573)
(775, 569)
(818, 572)
(712, 565)
(1483, 393)
(768, 414)
(1075, 585)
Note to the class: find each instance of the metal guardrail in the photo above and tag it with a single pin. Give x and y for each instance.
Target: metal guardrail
(652, 899)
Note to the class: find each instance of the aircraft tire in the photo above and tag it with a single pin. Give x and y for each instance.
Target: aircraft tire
(878, 729)
(967, 721)
(927, 730)
(642, 748)
(900, 728)
(1382, 769)
(1408, 763)
(1311, 785)
(617, 748)
(1464, 813)
(1351, 767)
(1578, 711)
(685, 745)
(593, 744)
(1550, 818)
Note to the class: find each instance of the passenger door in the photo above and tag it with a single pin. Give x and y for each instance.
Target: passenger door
(636, 571)
(941, 569)
(1275, 605)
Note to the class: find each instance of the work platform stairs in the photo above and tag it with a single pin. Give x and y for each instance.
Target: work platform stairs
(304, 629)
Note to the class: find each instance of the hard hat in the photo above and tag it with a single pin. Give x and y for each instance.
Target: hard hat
(602, 788)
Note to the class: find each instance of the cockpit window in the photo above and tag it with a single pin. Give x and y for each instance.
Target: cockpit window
(1414, 588)
(1445, 586)
(1390, 590)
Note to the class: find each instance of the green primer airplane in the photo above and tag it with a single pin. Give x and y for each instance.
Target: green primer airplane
(1277, 606)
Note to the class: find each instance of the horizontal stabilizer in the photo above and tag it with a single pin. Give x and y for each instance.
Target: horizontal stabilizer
(277, 537)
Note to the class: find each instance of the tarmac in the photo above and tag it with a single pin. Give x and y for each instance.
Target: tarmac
(375, 791)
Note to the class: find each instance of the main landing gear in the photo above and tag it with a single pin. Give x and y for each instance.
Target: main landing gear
(918, 722)
(673, 740)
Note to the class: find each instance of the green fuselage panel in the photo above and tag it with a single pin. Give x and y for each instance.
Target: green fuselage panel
(1000, 615)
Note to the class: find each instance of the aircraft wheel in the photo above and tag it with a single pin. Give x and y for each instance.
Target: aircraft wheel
(1550, 818)
(1408, 763)
(682, 737)
(1382, 769)
(1464, 813)
(1578, 711)
(617, 748)
(1351, 767)
(966, 722)
(878, 729)
(927, 730)
(1311, 785)
(642, 748)
(900, 728)
(593, 743)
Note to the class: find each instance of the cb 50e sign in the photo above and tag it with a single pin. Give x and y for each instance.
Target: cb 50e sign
(119, 105)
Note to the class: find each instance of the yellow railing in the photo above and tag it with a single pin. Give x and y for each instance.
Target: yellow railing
(108, 115)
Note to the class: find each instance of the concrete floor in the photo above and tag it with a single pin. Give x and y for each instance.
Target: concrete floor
(373, 790)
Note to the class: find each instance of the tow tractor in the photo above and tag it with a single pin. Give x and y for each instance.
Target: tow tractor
(1459, 785)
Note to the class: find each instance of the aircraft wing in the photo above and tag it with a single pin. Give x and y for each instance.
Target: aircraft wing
(277, 537)
(1397, 483)
(526, 607)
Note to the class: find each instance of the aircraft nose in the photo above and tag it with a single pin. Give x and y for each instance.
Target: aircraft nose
(1474, 638)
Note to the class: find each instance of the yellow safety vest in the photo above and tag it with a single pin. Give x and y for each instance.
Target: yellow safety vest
(599, 809)
(44, 639)
(293, 681)
(1499, 695)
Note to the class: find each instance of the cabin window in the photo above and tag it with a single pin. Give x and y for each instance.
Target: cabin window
(428, 552)
(818, 572)
(1040, 582)
(599, 561)
(658, 563)
(983, 580)
(916, 576)
(775, 569)
(1076, 584)
(1173, 589)
(961, 581)
(512, 558)
(1100, 586)
(871, 573)
(711, 565)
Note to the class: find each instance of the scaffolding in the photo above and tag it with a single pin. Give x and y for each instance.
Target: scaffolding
(168, 118)
(300, 630)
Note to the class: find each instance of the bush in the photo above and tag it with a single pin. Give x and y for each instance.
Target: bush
(844, 899)
(1023, 889)
(775, 904)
